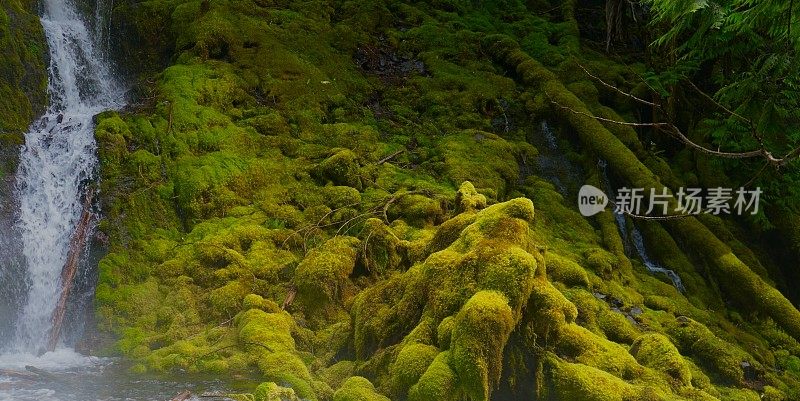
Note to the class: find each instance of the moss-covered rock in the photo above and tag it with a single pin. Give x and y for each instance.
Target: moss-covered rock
(358, 389)
(439, 382)
(323, 274)
(481, 330)
(412, 362)
(657, 352)
(342, 168)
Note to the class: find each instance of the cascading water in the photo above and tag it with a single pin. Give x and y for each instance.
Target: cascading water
(634, 241)
(56, 163)
(553, 165)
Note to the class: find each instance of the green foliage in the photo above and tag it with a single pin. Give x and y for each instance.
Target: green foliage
(735, 49)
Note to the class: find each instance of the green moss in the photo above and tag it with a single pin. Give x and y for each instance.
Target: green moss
(549, 312)
(589, 349)
(336, 374)
(657, 352)
(468, 199)
(696, 340)
(439, 382)
(616, 326)
(578, 382)
(481, 331)
(383, 248)
(565, 270)
(444, 333)
(358, 389)
(483, 159)
(273, 392)
(416, 209)
(735, 277)
(342, 168)
(253, 160)
(23, 74)
(412, 362)
(323, 275)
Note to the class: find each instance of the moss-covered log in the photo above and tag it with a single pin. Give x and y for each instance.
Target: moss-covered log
(736, 278)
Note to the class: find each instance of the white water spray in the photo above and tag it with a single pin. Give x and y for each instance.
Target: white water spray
(57, 161)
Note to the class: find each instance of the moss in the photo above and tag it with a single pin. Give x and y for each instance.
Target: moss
(657, 352)
(616, 326)
(444, 333)
(323, 274)
(439, 382)
(24, 73)
(336, 374)
(481, 158)
(273, 392)
(412, 362)
(383, 248)
(578, 382)
(416, 209)
(227, 300)
(468, 199)
(480, 333)
(449, 231)
(773, 394)
(342, 168)
(259, 155)
(358, 389)
(735, 277)
(548, 312)
(589, 349)
(565, 270)
(696, 340)
(255, 301)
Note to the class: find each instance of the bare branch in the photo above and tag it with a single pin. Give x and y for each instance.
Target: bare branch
(607, 119)
(676, 132)
(718, 104)
(614, 88)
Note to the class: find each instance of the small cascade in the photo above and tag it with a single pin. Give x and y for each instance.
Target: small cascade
(56, 169)
(634, 241)
(552, 165)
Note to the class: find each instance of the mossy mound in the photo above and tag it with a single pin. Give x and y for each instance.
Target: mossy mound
(338, 198)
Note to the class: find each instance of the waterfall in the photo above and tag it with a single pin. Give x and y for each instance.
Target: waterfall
(56, 163)
(634, 241)
(553, 165)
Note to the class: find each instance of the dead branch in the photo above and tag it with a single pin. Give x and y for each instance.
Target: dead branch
(19, 375)
(614, 88)
(70, 269)
(289, 298)
(391, 156)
